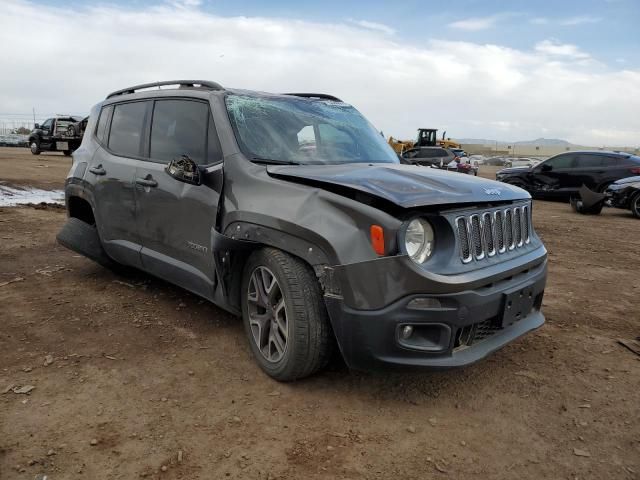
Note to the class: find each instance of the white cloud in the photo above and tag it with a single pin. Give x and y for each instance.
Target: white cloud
(381, 27)
(476, 24)
(554, 48)
(66, 60)
(579, 20)
(565, 22)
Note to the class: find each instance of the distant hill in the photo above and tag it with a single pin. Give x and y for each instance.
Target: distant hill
(545, 142)
(542, 142)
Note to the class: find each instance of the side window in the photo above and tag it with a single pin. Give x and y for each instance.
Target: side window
(335, 141)
(47, 124)
(307, 137)
(561, 161)
(103, 121)
(179, 127)
(126, 128)
(590, 161)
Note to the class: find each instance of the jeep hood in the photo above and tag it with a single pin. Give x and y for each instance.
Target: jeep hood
(404, 185)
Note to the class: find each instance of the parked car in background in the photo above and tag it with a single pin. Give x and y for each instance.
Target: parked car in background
(478, 159)
(292, 212)
(57, 134)
(521, 162)
(437, 157)
(443, 158)
(623, 193)
(459, 152)
(13, 140)
(496, 161)
(463, 165)
(562, 176)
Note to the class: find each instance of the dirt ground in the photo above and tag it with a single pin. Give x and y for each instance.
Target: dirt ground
(136, 378)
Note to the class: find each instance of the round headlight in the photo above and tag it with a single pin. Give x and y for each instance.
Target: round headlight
(418, 240)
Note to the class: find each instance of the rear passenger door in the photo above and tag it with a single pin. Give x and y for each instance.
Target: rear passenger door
(120, 133)
(175, 219)
(588, 170)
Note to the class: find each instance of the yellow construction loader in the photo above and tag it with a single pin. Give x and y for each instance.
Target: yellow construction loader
(427, 137)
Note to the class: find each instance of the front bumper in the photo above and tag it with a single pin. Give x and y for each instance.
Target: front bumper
(459, 328)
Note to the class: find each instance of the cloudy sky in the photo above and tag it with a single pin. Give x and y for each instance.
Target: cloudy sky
(512, 70)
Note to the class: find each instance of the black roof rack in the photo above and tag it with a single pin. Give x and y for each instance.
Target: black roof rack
(315, 95)
(204, 84)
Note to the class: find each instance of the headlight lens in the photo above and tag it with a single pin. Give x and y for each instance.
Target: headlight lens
(418, 240)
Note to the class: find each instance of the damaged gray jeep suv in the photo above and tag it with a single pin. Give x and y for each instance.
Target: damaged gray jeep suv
(292, 211)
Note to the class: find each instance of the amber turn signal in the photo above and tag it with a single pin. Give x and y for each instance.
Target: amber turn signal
(377, 239)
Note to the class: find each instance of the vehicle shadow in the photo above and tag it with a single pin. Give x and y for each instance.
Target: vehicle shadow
(411, 386)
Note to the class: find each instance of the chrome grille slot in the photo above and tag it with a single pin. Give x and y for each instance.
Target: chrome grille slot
(499, 231)
(487, 230)
(508, 229)
(463, 238)
(517, 227)
(525, 224)
(476, 237)
(486, 234)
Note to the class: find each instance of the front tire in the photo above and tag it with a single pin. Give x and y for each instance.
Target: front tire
(34, 146)
(284, 315)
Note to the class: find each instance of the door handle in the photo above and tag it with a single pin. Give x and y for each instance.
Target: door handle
(98, 170)
(148, 181)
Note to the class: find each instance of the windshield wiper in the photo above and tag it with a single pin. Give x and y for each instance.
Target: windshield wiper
(270, 161)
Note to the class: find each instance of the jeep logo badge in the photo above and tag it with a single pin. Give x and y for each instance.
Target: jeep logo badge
(492, 191)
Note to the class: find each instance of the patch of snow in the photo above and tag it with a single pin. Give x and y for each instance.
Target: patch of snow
(12, 196)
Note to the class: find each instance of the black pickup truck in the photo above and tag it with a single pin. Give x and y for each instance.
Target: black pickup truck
(59, 134)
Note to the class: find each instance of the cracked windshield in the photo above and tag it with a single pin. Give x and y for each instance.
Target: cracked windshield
(305, 131)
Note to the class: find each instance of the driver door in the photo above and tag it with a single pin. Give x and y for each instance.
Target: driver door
(175, 219)
(551, 177)
(45, 136)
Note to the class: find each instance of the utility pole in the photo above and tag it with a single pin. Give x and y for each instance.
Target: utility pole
(34, 116)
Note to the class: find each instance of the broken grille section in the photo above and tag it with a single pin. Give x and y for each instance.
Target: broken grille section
(485, 234)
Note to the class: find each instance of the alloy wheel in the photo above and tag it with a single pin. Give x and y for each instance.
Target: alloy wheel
(267, 314)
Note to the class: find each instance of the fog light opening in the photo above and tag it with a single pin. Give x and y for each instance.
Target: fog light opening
(406, 332)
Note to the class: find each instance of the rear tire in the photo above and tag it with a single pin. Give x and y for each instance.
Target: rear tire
(34, 146)
(67, 153)
(284, 315)
(634, 204)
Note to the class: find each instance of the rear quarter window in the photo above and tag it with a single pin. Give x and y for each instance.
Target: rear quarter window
(125, 136)
(590, 161)
(103, 121)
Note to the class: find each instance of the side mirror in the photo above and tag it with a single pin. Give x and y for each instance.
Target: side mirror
(37, 125)
(546, 168)
(185, 170)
